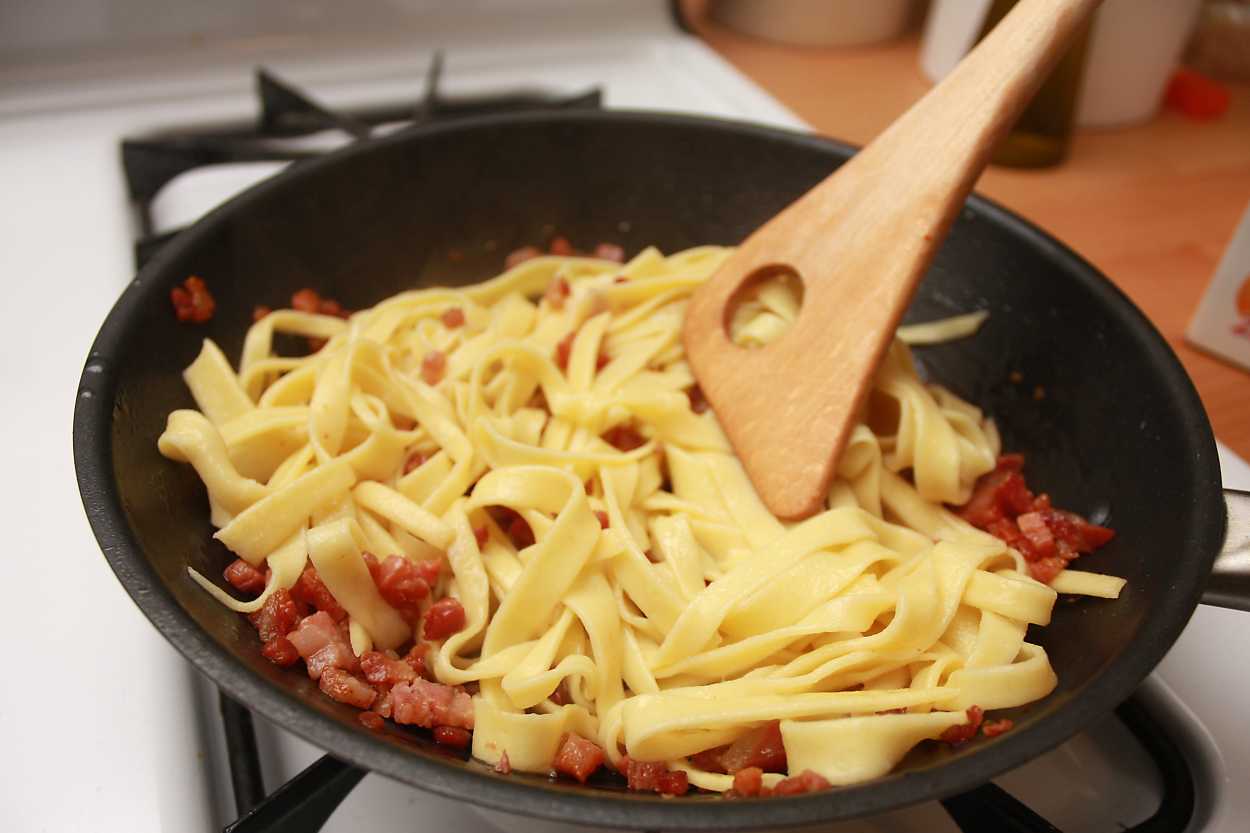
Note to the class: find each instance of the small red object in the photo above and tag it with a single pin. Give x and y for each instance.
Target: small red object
(993, 728)
(577, 757)
(280, 651)
(748, 782)
(964, 732)
(610, 251)
(564, 349)
(673, 782)
(433, 366)
(805, 782)
(453, 317)
(192, 301)
(1197, 96)
(561, 246)
(244, 577)
(445, 617)
(452, 736)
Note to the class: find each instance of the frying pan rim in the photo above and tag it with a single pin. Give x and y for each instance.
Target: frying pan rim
(101, 500)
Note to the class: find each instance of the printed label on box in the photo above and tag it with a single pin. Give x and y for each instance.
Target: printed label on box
(1222, 323)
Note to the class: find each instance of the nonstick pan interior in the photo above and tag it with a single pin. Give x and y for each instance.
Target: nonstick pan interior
(1075, 376)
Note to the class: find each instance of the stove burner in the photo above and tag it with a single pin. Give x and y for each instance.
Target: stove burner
(287, 113)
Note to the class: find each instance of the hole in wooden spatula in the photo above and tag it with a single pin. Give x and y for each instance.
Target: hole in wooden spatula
(764, 307)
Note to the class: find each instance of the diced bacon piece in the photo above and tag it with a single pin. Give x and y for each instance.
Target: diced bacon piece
(311, 590)
(709, 760)
(415, 460)
(382, 671)
(1010, 462)
(1034, 528)
(602, 360)
(1078, 533)
(577, 757)
(749, 782)
(433, 367)
(452, 318)
(673, 782)
(1045, 569)
(375, 566)
(504, 767)
(371, 720)
(460, 712)
(280, 651)
(624, 437)
(382, 706)
(604, 520)
(345, 688)
(644, 776)
(426, 704)
(994, 728)
(306, 300)
(445, 617)
(260, 311)
(418, 659)
(982, 508)
(610, 251)
(192, 301)
(1013, 495)
(760, 747)
(452, 736)
(430, 570)
(276, 617)
(698, 402)
(337, 654)
(329, 306)
(519, 256)
(561, 696)
(400, 583)
(964, 732)
(564, 349)
(244, 577)
(560, 246)
(805, 782)
(314, 633)
(520, 533)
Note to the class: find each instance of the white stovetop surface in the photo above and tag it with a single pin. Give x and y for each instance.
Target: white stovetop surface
(102, 722)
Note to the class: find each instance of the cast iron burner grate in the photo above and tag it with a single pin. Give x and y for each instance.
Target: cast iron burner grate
(287, 114)
(306, 802)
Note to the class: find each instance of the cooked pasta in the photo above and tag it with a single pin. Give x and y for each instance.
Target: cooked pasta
(660, 610)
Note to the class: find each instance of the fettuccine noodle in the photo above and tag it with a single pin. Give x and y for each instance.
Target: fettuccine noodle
(695, 616)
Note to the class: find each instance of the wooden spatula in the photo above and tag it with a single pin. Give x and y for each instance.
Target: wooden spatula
(860, 241)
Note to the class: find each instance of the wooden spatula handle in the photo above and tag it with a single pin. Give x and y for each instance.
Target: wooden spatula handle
(861, 240)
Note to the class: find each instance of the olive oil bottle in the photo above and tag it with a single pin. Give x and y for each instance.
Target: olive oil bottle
(1042, 134)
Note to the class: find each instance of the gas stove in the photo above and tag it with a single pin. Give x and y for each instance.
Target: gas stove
(138, 740)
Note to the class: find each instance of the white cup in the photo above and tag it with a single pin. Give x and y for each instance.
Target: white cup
(1134, 47)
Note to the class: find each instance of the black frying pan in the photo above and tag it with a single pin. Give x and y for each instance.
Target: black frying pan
(1119, 435)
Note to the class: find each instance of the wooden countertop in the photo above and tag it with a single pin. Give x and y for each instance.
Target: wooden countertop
(1151, 206)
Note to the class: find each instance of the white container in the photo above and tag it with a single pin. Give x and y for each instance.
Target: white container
(815, 22)
(1133, 49)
